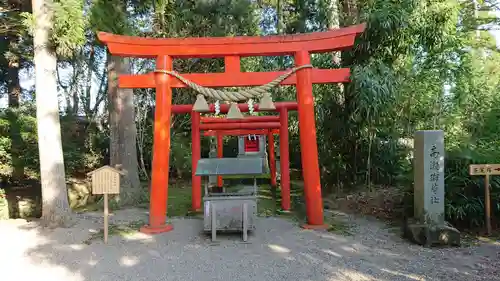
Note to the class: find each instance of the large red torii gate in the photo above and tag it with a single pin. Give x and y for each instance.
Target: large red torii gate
(232, 49)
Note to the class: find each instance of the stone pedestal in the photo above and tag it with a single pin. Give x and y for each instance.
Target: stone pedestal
(428, 226)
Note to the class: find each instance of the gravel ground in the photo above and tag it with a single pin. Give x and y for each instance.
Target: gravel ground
(279, 250)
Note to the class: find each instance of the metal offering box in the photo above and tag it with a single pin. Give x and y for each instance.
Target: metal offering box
(230, 211)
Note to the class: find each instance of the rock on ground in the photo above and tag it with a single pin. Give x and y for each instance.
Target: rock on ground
(279, 250)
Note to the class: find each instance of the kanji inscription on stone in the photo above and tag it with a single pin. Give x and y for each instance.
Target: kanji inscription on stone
(429, 176)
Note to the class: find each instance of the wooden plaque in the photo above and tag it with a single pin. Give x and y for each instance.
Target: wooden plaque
(105, 180)
(484, 169)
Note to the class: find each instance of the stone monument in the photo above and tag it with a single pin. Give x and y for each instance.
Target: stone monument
(428, 226)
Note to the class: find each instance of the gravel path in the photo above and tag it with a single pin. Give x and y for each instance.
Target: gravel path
(279, 250)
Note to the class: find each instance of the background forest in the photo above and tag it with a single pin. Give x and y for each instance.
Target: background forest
(421, 64)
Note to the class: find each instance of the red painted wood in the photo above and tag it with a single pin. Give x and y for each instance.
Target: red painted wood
(232, 64)
(284, 160)
(252, 145)
(308, 145)
(249, 119)
(315, 42)
(235, 79)
(232, 126)
(195, 156)
(161, 149)
(187, 108)
(212, 133)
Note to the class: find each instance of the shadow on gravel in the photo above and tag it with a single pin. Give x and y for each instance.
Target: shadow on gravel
(279, 250)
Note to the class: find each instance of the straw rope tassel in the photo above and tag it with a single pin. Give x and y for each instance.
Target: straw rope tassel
(261, 92)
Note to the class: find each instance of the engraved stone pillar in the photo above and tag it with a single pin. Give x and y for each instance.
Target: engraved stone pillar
(429, 177)
(428, 226)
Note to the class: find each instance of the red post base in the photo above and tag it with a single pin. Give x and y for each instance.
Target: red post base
(315, 227)
(147, 229)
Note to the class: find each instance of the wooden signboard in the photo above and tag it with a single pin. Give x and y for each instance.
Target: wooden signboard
(486, 170)
(106, 180)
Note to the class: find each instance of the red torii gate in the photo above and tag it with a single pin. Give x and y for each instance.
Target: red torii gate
(220, 133)
(232, 49)
(281, 107)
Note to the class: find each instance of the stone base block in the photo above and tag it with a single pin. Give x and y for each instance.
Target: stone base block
(431, 235)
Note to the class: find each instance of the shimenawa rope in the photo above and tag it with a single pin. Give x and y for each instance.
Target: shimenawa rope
(246, 94)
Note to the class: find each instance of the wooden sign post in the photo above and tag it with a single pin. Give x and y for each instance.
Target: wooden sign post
(106, 180)
(486, 170)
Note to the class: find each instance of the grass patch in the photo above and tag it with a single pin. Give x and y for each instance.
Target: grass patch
(179, 202)
(269, 203)
(266, 204)
(123, 230)
(338, 226)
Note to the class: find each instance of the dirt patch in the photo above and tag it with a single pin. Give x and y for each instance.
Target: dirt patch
(385, 203)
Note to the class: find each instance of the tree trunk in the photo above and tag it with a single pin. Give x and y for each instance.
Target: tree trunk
(349, 17)
(14, 89)
(334, 23)
(123, 133)
(55, 208)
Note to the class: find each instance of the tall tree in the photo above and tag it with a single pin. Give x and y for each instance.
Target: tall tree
(112, 16)
(55, 207)
(123, 131)
(58, 29)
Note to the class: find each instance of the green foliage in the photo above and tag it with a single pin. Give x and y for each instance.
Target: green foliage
(81, 154)
(68, 31)
(27, 127)
(69, 26)
(110, 16)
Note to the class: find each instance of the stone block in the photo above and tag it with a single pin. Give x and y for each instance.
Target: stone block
(431, 235)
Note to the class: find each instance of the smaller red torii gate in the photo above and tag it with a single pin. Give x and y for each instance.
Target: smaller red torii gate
(251, 123)
(232, 49)
(220, 133)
